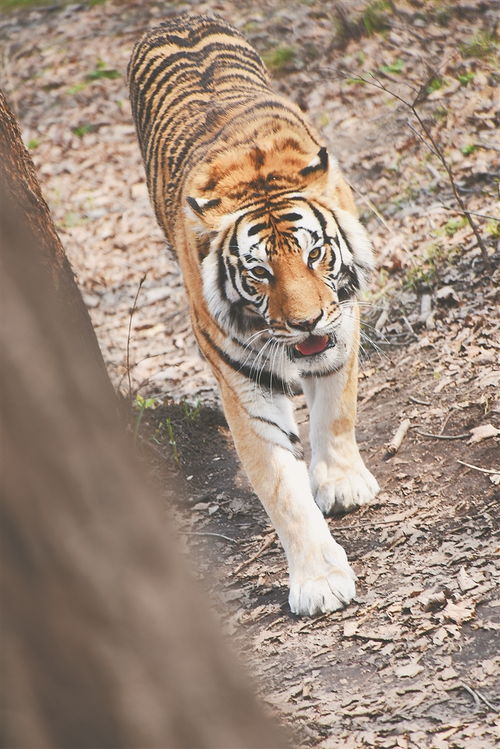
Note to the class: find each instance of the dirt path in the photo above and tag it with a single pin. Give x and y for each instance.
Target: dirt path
(413, 662)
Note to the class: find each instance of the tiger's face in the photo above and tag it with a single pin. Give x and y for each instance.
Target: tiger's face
(288, 266)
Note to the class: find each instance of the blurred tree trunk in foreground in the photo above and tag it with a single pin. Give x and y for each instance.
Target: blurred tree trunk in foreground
(106, 642)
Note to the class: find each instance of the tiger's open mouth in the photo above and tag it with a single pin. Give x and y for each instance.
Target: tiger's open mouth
(313, 345)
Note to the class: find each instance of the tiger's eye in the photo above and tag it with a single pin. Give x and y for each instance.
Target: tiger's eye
(259, 271)
(314, 254)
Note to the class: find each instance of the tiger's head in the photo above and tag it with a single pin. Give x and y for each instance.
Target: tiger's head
(284, 252)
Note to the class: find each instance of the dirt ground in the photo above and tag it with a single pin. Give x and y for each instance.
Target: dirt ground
(413, 662)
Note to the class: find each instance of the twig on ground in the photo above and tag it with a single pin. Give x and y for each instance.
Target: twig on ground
(314, 622)
(477, 468)
(445, 422)
(132, 311)
(209, 533)
(410, 328)
(478, 697)
(268, 541)
(395, 443)
(486, 702)
(441, 436)
(370, 636)
(419, 401)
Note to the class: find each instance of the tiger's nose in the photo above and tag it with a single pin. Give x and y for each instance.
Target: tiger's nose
(305, 324)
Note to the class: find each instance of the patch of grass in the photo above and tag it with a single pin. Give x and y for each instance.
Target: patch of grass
(15, 4)
(375, 16)
(468, 149)
(425, 271)
(393, 67)
(323, 119)
(435, 85)
(191, 411)
(453, 225)
(71, 219)
(141, 404)
(441, 113)
(101, 71)
(443, 15)
(279, 57)
(482, 44)
(82, 130)
(77, 88)
(250, 27)
(466, 78)
(169, 428)
(493, 228)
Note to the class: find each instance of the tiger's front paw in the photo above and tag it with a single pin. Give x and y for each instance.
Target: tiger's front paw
(324, 586)
(344, 491)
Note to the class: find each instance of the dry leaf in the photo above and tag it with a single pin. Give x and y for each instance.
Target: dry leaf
(459, 612)
(448, 673)
(465, 581)
(350, 628)
(408, 671)
(482, 432)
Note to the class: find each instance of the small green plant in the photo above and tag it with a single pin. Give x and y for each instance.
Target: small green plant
(141, 404)
(32, 144)
(71, 219)
(466, 78)
(441, 113)
(435, 84)
(468, 149)
(77, 88)
(169, 427)
(250, 27)
(481, 45)
(82, 130)
(493, 228)
(191, 411)
(375, 16)
(425, 271)
(355, 81)
(394, 67)
(277, 58)
(101, 71)
(453, 225)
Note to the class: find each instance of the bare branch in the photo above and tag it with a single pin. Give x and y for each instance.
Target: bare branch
(132, 311)
(395, 443)
(436, 150)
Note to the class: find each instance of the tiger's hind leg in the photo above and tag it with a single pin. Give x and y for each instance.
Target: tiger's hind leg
(339, 478)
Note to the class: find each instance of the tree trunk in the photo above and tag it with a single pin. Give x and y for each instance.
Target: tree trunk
(106, 640)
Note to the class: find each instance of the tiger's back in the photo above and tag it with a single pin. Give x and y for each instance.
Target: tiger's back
(199, 90)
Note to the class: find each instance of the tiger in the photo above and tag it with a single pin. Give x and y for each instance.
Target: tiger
(273, 258)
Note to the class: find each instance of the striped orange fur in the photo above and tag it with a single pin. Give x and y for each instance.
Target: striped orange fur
(273, 257)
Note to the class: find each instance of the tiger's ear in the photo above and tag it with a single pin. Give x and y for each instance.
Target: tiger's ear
(201, 205)
(318, 166)
(205, 209)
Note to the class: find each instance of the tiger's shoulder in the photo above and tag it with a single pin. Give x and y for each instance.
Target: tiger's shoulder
(204, 109)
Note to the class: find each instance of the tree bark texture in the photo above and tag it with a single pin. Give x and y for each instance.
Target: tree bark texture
(106, 641)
